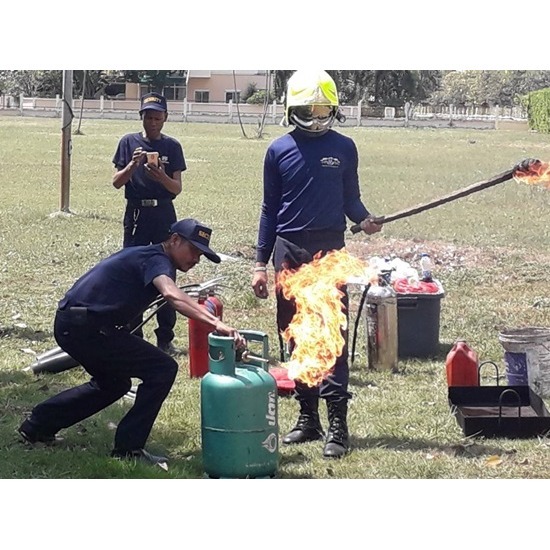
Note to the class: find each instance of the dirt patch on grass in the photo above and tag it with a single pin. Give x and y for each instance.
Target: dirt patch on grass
(444, 255)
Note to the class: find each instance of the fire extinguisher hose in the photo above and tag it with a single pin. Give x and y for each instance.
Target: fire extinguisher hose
(357, 320)
(157, 303)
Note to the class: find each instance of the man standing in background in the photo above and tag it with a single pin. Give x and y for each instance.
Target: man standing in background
(149, 165)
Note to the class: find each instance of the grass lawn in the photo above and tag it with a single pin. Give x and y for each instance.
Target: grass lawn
(491, 256)
(490, 250)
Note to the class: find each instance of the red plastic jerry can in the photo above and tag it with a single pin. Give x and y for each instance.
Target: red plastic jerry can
(462, 365)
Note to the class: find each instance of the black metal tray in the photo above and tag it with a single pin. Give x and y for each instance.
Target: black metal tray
(499, 411)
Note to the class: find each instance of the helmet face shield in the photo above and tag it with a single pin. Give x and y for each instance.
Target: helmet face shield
(313, 118)
(309, 112)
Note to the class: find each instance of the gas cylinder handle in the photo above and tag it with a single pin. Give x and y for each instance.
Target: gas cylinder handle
(479, 371)
(258, 336)
(255, 335)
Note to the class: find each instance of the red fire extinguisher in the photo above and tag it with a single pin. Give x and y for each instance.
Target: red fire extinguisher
(198, 335)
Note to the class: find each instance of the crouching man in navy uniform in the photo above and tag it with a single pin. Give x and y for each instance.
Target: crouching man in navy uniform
(151, 183)
(91, 325)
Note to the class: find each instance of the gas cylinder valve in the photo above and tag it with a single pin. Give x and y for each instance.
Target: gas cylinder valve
(246, 357)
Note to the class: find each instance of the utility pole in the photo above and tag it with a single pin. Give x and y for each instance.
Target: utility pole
(66, 143)
(78, 132)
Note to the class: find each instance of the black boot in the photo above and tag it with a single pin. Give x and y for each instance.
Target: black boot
(337, 442)
(308, 427)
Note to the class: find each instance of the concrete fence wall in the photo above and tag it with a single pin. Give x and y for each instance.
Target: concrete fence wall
(356, 115)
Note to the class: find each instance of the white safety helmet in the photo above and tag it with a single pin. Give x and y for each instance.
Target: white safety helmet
(311, 101)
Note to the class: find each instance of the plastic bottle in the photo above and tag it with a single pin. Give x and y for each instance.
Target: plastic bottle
(461, 365)
(426, 267)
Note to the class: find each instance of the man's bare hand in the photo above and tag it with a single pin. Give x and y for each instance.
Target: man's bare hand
(372, 224)
(156, 173)
(259, 284)
(138, 156)
(225, 330)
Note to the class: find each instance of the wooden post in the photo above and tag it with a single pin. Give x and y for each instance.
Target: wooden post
(78, 132)
(66, 143)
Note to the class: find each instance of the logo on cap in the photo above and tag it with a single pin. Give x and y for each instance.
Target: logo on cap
(197, 234)
(149, 99)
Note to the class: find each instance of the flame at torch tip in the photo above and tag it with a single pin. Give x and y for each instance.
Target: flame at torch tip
(537, 174)
(316, 328)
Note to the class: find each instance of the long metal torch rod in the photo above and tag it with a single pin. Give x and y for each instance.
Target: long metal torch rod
(479, 186)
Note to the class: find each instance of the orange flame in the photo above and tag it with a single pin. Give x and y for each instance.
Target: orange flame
(316, 326)
(538, 173)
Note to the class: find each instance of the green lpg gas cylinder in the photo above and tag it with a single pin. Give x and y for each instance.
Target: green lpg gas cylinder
(239, 411)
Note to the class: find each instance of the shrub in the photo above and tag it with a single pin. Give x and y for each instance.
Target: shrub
(539, 110)
(258, 97)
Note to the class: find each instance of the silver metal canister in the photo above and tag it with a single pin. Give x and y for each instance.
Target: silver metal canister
(381, 323)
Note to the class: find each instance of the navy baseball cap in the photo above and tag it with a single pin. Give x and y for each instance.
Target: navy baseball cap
(153, 101)
(198, 234)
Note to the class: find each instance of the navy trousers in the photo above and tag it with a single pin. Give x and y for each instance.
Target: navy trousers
(112, 357)
(145, 225)
(291, 252)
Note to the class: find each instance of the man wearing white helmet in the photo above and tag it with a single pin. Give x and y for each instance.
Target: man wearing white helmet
(311, 185)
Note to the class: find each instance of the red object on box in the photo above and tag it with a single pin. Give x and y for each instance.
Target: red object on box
(404, 286)
(284, 383)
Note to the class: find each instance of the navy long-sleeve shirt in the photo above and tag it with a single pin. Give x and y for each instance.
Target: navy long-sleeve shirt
(121, 286)
(310, 183)
(141, 186)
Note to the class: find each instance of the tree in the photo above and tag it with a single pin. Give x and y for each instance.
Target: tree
(280, 80)
(31, 83)
(156, 80)
(353, 86)
(387, 87)
(502, 88)
(49, 83)
(6, 81)
(95, 82)
(251, 89)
